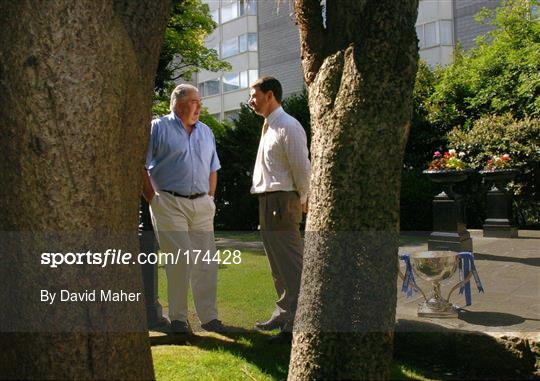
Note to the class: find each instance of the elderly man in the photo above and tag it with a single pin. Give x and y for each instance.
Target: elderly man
(281, 179)
(180, 180)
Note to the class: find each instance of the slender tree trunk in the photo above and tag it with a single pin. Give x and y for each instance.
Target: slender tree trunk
(76, 84)
(360, 69)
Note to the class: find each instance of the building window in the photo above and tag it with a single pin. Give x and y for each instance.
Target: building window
(244, 79)
(252, 42)
(435, 33)
(430, 34)
(242, 43)
(215, 15)
(232, 115)
(253, 75)
(239, 44)
(232, 9)
(229, 11)
(229, 47)
(231, 82)
(420, 35)
(236, 81)
(248, 7)
(445, 27)
(209, 88)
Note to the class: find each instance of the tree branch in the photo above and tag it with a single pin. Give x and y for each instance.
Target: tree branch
(312, 36)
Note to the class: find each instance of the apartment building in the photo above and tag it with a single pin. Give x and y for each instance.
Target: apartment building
(259, 37)
(235, 40)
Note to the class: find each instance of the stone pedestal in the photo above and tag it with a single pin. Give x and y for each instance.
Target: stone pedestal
(499, 214)
(449, 227)
(148, 244)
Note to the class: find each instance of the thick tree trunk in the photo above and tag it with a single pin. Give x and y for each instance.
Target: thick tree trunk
(76, 84)
(360, 71)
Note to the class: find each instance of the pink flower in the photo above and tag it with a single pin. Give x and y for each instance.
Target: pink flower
(437, 154)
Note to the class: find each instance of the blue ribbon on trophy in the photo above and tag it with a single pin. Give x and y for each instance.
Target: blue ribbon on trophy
(408, 280)
(468, 266)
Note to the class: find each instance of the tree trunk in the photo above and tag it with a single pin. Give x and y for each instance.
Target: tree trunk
(360, 69)
(76, 85)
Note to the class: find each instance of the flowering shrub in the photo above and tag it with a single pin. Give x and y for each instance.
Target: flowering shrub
(447, 161)
(498, 162)
(493, 135)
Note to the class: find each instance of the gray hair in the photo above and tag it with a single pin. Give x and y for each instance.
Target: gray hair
(181, 91)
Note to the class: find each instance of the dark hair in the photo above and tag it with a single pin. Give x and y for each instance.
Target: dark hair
(267, 84)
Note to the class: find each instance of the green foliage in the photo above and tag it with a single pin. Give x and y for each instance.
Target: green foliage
(496, 135)
(218, 128)
(161, 104)
(184, 52)
(237, 150)
(297, 105)
(501, 74)
(424, 137)
(416, 197)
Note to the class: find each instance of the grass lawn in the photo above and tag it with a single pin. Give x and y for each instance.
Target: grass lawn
(245, 235)
(245, 295)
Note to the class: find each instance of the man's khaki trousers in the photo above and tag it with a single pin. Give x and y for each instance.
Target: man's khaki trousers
(280, 214)
(186, 226)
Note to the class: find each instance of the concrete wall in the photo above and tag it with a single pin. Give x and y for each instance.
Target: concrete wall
(465, 27)
(279, 45)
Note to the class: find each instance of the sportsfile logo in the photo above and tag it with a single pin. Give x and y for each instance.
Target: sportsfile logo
(119, 257)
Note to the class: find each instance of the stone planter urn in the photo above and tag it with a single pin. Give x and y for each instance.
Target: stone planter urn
(499, 215)
(449, 227)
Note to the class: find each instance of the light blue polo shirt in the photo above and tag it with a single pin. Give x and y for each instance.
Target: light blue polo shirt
(180, 162)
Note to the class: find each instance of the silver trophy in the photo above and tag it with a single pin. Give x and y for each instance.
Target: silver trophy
(435, 267)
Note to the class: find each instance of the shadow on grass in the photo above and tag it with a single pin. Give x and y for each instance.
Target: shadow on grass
(252, 346)
(273, 358)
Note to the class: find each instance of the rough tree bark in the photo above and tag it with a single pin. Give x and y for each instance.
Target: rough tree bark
(76, 84)
(360, 71)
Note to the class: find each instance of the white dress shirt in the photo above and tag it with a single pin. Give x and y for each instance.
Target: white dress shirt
(282, 162)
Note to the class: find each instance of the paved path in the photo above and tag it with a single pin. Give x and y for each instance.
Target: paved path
(498, 333)
(510, 273)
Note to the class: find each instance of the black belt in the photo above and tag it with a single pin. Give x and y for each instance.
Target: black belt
(191, 197)
(278, 191)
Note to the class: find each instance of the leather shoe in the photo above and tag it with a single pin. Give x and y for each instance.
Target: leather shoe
(270, 325)
(178, 326)
(213, 326)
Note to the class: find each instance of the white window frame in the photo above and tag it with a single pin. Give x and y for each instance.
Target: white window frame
(422, 45)
(202, 86)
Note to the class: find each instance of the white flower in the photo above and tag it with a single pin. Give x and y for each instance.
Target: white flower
(461, 155)
(452, 151)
